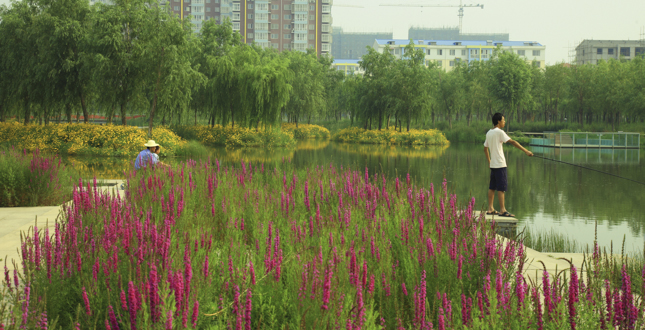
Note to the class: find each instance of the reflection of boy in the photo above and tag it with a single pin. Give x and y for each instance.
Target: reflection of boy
(497, 163)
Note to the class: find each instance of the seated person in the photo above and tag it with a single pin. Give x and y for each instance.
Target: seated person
(155, 154)
(147, 156)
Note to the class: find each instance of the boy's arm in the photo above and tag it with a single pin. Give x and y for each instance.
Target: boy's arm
(519, 146)
(487, 154)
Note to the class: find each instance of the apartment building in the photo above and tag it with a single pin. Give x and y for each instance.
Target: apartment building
(348, 66)
(447, 53)
(591, 51)
(280, 24)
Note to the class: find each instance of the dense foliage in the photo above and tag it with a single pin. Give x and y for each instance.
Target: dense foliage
(31, 179)
(391, 137)
(86, 139)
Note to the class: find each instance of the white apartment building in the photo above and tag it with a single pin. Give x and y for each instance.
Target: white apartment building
(447, 53)
(591, 51)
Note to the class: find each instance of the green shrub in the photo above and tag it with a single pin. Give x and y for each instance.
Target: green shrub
(32, 179)
(193, 149)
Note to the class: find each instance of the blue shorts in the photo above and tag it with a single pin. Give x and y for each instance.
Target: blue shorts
(498, 179)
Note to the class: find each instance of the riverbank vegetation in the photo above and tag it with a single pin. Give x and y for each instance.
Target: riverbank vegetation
(204, 245)
(390, 137)
(32, 179)
(87, 139)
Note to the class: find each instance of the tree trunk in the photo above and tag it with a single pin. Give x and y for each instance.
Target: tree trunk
(408, 127)
(380, 122)
(123, 119)
(232, 119)
(27, 109)
(2, 114)
(387, 123)
(86, 117)
(68, 112)
(45, 114)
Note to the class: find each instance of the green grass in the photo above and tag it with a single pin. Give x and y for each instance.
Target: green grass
(549, 241)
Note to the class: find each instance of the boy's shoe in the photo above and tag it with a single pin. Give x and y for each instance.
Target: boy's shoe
(507, 214)
(122, 186)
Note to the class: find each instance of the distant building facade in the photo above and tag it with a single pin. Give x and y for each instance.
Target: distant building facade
(349, 66)
(447, 53)
(591, 51)
(452, 33)
(280, 24)
(353, 45)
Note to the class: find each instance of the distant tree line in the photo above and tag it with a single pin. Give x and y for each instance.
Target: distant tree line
(64, 58)
(397, 92)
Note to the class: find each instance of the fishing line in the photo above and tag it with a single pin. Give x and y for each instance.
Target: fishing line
(589, 168)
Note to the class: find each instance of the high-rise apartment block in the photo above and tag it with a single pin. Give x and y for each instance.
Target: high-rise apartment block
(279, 24)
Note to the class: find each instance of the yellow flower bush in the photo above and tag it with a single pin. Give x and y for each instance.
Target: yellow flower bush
(306, 131)
(87, 139)
(235, 136)
(391, 136)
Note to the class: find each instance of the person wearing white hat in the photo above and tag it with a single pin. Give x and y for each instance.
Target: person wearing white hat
(147, 156)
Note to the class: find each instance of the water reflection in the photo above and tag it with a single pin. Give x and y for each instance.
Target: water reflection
(591, 155)
(543, 194)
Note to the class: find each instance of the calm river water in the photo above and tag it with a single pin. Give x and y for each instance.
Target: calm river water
(544, 195)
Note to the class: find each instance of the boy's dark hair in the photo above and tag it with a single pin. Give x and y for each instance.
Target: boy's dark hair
(497, 118)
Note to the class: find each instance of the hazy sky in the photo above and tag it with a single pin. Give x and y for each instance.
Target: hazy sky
(553, 23)
(557, 24)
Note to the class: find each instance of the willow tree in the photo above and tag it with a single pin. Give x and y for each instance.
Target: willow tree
(510, 80)
(270, 89)
(169, 48)
(308, 92)
(118, 45)
(217, 41)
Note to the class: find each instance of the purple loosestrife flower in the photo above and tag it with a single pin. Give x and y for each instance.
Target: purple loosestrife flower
(537, 307)
(573, 297)
(520, 290)
(252, 273)
(112, 318)
(459, 265)
(168, 320)
(154, 294)
(124, 301)
(193, 319)
(247, 311)
(133, 307)
(440, 320)
(370, 288)
(86, 301)
(360, 315)
(327, 288)
(206, 267)
(405, 291)
(630, 313)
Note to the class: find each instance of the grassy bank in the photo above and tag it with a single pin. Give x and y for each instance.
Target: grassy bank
(31, 179)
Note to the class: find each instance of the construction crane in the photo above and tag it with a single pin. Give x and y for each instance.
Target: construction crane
(461, 9)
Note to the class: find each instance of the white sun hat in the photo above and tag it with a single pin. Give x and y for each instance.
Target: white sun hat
(151, 143)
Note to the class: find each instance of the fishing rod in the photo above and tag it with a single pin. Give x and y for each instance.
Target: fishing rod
(589, 168)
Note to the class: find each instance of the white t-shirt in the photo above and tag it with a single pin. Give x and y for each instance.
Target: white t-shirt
(494, 140)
